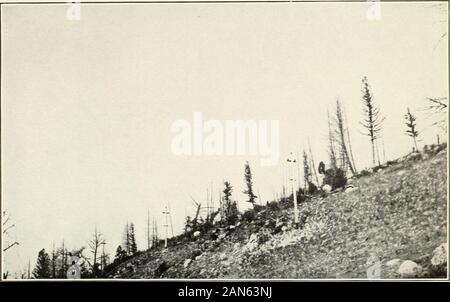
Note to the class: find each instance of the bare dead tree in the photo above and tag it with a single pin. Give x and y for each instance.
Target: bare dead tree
(155, 238)
(53, 261)
(438, 104)
(148, 230)
(441, 7)
(6, 226)
(372, 119)
(312, 165)
(198, 207)
(94, 244)
(341, 134)
(352, 159)
(331, 147)
(437, 110)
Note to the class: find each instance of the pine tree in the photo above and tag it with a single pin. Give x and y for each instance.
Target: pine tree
(306, 171)
(372, 119)
(230, 210)
(410, 121)
(126, 240)
(120, 254)
(227, 191)
(42, 269)
(249, 183)
(133, 245)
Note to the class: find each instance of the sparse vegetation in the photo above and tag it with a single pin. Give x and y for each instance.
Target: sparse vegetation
(403, 217)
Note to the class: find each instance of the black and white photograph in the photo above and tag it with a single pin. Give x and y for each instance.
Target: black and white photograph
(222, 140)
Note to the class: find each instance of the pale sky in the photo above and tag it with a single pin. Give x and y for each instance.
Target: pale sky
(87, 105)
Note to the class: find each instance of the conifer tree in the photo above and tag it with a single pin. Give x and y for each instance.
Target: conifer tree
(133, 245)
(42, 269)
(410, 121)
(372, 118)
(249, 183)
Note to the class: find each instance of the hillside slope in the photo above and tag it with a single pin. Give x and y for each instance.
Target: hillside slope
(398, 213)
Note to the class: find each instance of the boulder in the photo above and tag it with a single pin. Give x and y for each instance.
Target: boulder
(350, 189)
(162, 267)
(222, 236)
(413, 156)
(326, 188)
(287, 239)
(439, 257)
(196, 234)
(252, 242)
(394, 262)
(400, 173)
(409, 269)
(187, 262)
(196, 253)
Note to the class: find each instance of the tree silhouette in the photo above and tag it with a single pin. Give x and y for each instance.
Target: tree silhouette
(341, 132)
(410, 121)
(229, 206)
(249, 183)
(372, 118)
(94, 244)
(133, 245)
(42, 269)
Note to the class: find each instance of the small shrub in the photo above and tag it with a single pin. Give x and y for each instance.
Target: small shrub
(363, 173)
(231, 212)
(263, 237)
(249, 215)
(258, 208)
(273, 206)
(335, 178)
(312, 188)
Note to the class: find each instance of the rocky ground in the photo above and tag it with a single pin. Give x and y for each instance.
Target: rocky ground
(390, 223)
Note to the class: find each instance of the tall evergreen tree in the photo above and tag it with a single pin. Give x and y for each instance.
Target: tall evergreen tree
(410, 121)
(133, 245)
(227, 191)
(42, 269)
(372, 118)
(120, 254)
(230, 210)
(306, 170)
(249, 184)
(126, 239)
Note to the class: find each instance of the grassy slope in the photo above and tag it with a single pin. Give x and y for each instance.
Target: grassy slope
(399, 212)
